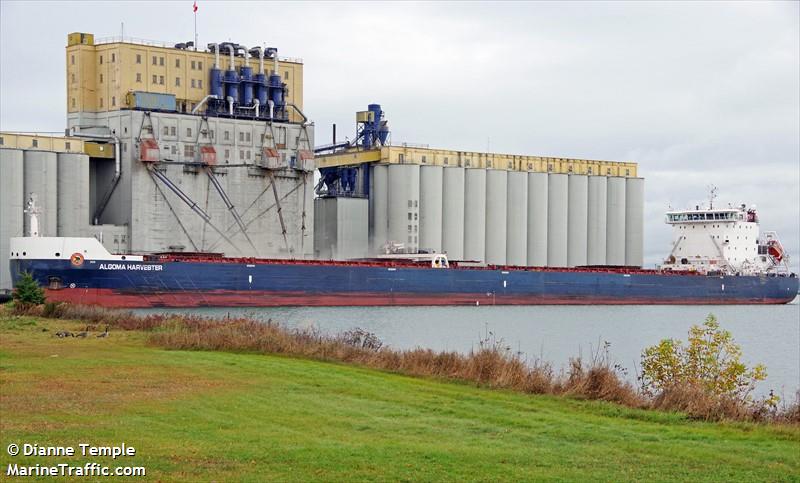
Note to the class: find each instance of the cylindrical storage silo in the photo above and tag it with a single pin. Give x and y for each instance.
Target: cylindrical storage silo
(557, 212)
(379, 201)
(453, 212)
(496, 216)
(615, 229)
(404, 205)
(517, 219)
(634, 222)
(577, 220)
(430, 208)
(475, 214)
(11, 207)
(596, 247)
(40, 177)
(73, 194)
(537, 219)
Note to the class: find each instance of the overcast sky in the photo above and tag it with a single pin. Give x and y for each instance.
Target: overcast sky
(696, 93)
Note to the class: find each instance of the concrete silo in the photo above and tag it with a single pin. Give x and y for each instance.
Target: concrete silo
(453, 212)
(615, 228)
(11, 207)
(597, 220)
(404, 205)
(634, 222)
(517, 219)
(73, 194)
(475, 214)
(557, 213)
(379, 201)
(430, 208)
(577, 222)
(40, 177)
(496, 216)
(537, 219)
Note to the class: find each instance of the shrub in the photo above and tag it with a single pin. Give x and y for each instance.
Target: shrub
(704, 377)
(27, 291)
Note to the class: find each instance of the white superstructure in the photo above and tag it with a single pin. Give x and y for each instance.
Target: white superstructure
(726, 240)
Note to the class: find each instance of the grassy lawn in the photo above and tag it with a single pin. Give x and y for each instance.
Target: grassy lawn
(220, 416)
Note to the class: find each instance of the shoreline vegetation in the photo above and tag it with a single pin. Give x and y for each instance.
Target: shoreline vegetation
(239, 400)
(709, 384)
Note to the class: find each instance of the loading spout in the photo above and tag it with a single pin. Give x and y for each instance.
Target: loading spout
(189, 202)
(305, 119)
(230, 206)
(203, 102)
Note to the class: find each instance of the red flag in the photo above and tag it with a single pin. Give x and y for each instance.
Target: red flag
(194, 7)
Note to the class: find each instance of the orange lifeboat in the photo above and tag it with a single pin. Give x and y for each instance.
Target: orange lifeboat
(775, 250)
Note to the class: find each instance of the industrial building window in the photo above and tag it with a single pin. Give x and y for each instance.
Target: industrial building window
(416, 203)
(101, 102)
(161, 61)
(172, 130)
(400, 158)
(155, 79)
(608, 171)
(72, 59)
(101, 78)
(241, 154)
(35, 143)
(166, 130)
(113, 100)
(446, 160)
(423, 159)
(177, 81)
(174, 149)
(193, 64)
(227, 154)
(155, 60)
(247, 137)
(409, 228)
(227, 136)
(200, 83)
(101, 59)
(248, 154)
(211, 134)
(113, 57)
(193, 84)
(409, 216)
(138, 77)
(200, 66)
(177, 62)
(241, 137)
(188, 132)
(73, 102)
(188, 151)
(589, 170)
(549, 167)
(161, 80)
(627, 172)
(410, 204)
(73, 78)
(286, 75)
(138, 58)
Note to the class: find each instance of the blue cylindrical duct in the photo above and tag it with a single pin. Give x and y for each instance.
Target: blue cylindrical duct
(276, 90)
(216, 82)
(246, 85)
(232, 84)
(260, 81)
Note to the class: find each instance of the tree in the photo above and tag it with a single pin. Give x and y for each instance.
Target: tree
(27, 291)
(711, 361)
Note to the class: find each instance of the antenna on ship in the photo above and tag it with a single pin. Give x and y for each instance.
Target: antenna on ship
(712, 195)
(33, 216)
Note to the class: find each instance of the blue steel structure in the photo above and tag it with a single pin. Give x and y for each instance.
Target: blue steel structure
(353, 181)
(244, 88)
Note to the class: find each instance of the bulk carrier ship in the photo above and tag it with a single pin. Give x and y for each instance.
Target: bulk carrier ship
(718, 257)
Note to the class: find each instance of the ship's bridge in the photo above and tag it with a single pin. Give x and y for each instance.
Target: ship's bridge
(689, 216)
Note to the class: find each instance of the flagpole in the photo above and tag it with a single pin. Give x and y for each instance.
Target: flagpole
(195, 26)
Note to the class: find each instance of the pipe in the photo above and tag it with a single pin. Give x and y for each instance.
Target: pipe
(232, 52)
(260, 60)
(202, 103)
(246, 53)
(257, 105)
(275, 60)
(117, 167)
(271, 105)
(230, 105)
(216, 54)
(305, 119)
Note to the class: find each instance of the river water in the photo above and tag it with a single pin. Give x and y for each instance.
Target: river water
(767, 334)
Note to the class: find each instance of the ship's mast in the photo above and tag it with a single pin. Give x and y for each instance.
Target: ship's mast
(712, 195)
(33, 216)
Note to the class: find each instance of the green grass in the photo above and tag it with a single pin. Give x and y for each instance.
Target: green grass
(221, 416)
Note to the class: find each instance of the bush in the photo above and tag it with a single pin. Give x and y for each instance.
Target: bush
(708, 368)
(27, 291)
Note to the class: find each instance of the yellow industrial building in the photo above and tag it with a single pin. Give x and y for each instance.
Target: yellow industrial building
(102, 73)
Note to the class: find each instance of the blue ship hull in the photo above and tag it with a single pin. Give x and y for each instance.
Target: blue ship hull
(226, 282)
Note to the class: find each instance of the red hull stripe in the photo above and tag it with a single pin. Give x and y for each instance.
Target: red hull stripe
(226, 298)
